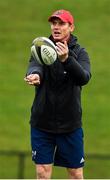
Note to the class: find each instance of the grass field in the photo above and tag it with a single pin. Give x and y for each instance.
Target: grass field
(20, 22)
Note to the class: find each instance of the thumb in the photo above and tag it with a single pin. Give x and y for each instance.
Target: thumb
(65, 43)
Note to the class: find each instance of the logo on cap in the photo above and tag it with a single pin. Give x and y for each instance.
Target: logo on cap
(58, 12)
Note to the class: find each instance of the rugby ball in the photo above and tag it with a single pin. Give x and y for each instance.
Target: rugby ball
(44, 51)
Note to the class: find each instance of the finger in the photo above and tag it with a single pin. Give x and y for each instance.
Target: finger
(29, 76)
(61, 45)
(59, 51)
(34, 83)
(65, 43)
(27, 80)
(33, 77)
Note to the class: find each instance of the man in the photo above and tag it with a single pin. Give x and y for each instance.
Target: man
(56, 115)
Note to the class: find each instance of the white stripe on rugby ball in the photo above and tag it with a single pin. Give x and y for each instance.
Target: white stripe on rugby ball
(48, 54)
(45, 39)
(34, 54)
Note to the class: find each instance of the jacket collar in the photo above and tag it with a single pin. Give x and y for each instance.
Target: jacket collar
(72, 41)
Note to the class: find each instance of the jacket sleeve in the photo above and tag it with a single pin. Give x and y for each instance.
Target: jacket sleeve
(79, 67)
(34, 68)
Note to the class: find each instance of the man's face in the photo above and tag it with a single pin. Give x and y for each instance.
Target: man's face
(60, 30)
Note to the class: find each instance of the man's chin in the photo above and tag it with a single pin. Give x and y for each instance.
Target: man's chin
(57, 39)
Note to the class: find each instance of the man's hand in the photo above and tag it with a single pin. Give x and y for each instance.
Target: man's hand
(33, 79)
(62, 50)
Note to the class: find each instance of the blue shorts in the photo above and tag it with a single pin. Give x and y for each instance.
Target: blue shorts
(64, 150)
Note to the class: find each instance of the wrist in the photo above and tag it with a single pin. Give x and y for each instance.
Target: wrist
(63, 59)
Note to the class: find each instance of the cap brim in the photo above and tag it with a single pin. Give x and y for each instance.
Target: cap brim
(56, 16)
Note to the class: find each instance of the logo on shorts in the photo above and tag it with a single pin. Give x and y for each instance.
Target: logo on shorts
(33, 154)
(82, 160)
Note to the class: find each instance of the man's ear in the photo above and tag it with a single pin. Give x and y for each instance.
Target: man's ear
(72, 27)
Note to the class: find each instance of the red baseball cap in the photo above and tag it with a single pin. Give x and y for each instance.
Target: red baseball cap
(63, 15)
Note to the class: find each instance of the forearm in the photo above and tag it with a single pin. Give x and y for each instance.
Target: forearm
(34, 68)
(80, 75)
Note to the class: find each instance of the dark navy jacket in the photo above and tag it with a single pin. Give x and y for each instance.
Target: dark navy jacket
(57, 104)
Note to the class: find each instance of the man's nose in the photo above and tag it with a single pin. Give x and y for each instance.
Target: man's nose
(56, 25)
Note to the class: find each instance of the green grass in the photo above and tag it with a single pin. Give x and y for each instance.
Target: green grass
(20, 22)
